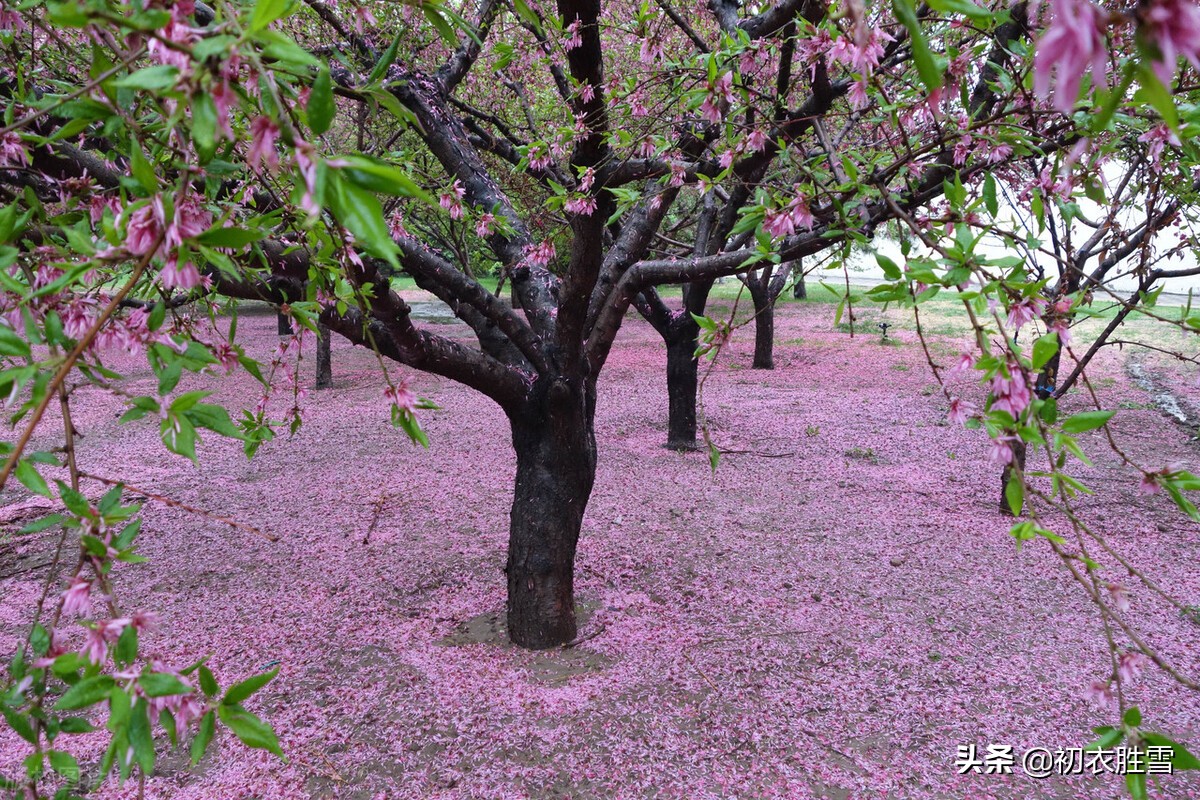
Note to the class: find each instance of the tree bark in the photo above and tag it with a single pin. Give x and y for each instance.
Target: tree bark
(555, 444)
(324, 359)
(682, 382)
(799, 290)
(283, 325)
(764, 326)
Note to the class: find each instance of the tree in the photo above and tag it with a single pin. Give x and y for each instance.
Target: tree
(153, 158)
(297, 237)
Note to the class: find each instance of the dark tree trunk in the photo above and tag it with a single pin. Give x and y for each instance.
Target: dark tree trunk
(799, 290)
(556, 467)
(764, 326)
(324, 359)
(283, 325)
(682, 381)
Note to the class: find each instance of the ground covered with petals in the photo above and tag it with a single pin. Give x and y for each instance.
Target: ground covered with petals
(829, 615)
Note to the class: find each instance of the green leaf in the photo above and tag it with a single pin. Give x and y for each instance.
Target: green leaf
(362, 215)
(990, 201)
(31, 479)
(1181, 759)
(1132, 717)
(1086, 421)
(19, 723)
(321, 107)
(87, 692)
(141, 738)
(204, 126)
(376, 176)
(964, 7)
(230, 237)
(932, 74)
(266, 12)
(204, 735)
(161, 684)
(150, 78)
(250, 729)
(1136, 782)
(11, 344)
(64, 764)
(240, 691)
(891, 270)
(207, 682)
(76, 725)
(1014, 493)
(1044, 349)
(385, 60)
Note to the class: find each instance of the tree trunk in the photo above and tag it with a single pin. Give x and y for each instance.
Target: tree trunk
(283, 325)
(799, 290)
(764, 327)
(556, 467)
(324, 359)
(682, 381)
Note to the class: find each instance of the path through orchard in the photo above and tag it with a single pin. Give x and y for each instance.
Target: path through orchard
(828, 616)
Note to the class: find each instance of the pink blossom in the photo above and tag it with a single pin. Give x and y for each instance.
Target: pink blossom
(778, 223)
(1025, 310)
(964, 365)
(1119, 595)
(540, 255)
(1157, 138)
(224, 100)
(1011, 394)
(1130, 666)
(961, 410)
(1149, 483)
(1000, 452)
(77, 598)
(363, 15)
(574, 38)
(1073, 42)
(755, 140)
(710, 111)
(651, 51)
(396, 225)
(174, 32)
(452, 200)
(485, 226)
(12, 150)
(98, 204)
(183, 276)
(587, 179)
(584, 205)
(402, 397)
(191, 219)
(1099, 693)
(144, 228)
(263, 133)
(1174, 25)
(859, 99)
(95, 647)
(587, 92)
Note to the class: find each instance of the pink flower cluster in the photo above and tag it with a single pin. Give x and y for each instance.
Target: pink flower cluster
(784, 222)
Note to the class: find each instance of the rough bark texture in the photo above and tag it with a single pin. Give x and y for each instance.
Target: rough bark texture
(682, 381)
(283, 325)
(324, 359)
(556, 466)
(764, 327)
